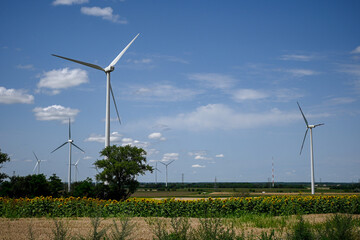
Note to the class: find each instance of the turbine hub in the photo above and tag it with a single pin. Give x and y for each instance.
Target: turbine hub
(311, 126)
(70, 141)
(109, 69)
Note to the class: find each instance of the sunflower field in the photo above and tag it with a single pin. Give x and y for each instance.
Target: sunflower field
(230, 207)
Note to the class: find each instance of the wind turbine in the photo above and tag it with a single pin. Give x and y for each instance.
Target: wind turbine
(311, 148)
(156, 169)
(107, 70)
(37, 164)
(166, 166)
(71, 143)
(76, 169)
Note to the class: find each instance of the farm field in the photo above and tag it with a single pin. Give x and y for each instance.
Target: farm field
(249, 226)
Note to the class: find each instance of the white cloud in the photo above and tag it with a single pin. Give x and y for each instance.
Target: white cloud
(115, 137)
(356, 50)
(11, 96)
(295, 57)
(55, 113)
(26, 67)
(248, 94)
(163, 92)
(340, 100)
(198, 166)
(301, 72)
(62, 78)
(69, 2)
(213, 80)
(200, 155)
(220, 155)
(222, 117)
(87, 158)
(352, 69)
(105, 13)
(156, 136)
(169, 157)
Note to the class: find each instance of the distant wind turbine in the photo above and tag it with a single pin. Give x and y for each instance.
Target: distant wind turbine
(311, 148)
(166, 167)
(107, 70)
(76, 169)
(37, 164)
(156, 170)
(70, 142)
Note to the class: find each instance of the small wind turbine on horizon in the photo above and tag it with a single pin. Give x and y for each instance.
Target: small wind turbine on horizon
(76, 169)
(107, 70)
(37, 164)
(166, 167)
(71, 143)
(311, 147)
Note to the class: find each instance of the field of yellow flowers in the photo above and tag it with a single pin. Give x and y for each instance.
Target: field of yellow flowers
(231, 207)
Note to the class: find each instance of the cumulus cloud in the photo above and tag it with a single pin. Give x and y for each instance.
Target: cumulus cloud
(69, 2)
(220, 155)
(115, 137)
(295, 57)
(11, 96)
(162, 92)
(241, 95)
(156, 136)
(222, 117)
(105, 13)
(55, 113)
(200, 155)
(62, 78)
(198, 166)
(356, 50)
(169, 157)
(213, 80)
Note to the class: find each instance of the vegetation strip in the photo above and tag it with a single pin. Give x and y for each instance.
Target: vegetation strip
(232, 207)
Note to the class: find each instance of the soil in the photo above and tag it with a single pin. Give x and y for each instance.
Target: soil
(42, 228)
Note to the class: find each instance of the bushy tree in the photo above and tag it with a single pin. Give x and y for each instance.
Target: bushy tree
(120, 166)
(84, 188)
(3, 158)
(56, 187)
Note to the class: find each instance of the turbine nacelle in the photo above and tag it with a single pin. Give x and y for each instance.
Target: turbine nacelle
(109, 69)
(70, 141)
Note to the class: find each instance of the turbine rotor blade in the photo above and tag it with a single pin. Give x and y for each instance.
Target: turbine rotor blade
(35, 166)
(77, 162)
(170, 162)
(319, 124)
(306, 122)
(78, 147)
(60, 146)
(36, 156)
(117, 112)
(69, 129)
(80, 62)
(122, 52)
(162, 163)
(304, 140)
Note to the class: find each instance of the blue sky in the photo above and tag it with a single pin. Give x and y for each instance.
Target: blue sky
(212, 85)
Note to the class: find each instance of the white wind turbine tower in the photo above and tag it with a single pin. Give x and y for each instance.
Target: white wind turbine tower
(166, 166)
(311, 148)
(70, 142)
(37, 164)
(107, 70)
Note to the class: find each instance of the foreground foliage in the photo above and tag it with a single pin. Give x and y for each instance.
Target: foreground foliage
(87, 207)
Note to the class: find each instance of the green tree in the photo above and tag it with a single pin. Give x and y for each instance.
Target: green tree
(55, 185)
(84, 188)
(119, 168)
(3, 158)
